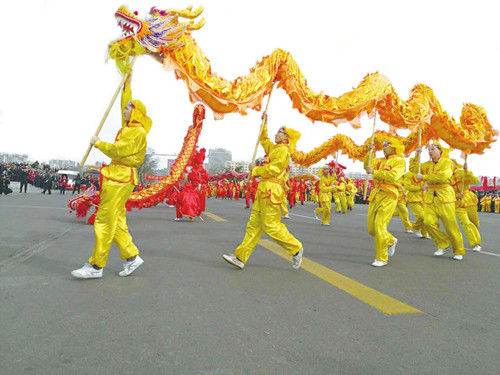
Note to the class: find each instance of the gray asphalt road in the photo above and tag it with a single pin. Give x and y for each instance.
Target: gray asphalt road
(186, 311)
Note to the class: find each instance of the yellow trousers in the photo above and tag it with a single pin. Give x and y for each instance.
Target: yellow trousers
(470, 230)
(350, 201)
(343, 203)
(497, 208)
(338, 205)
(404, 215)
(325, 211)
(284, 207)
(473, 215)
(266, 219)
(418, 211)
(111, 224)
(379, 215)
(446, 212)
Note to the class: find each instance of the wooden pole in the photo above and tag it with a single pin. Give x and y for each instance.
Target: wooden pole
(465, 175)
(365, 187)
(260, 130)
(419, 146)
(115, 95)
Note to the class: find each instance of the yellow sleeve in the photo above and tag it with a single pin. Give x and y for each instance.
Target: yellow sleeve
(264, 140)
(414, 165)
(471, 179)
(394, 173)
(129, 143)
(324, 187)
(367, 156)
(409, 185)
(126, 97)
(276, 166)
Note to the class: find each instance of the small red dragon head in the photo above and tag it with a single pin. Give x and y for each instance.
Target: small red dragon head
(198, 114)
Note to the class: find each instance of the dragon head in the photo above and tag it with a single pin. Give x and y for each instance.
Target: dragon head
(159, 33)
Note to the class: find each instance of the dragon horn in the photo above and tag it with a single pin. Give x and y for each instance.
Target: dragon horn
(187, 13)
(199, 25)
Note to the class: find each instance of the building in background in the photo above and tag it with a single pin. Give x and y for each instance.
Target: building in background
(237, 166)
(13, 158)
(296, 171)
(63, 164)
(217, 158)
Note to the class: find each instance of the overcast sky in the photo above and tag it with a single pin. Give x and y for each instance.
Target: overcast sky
(55, 84)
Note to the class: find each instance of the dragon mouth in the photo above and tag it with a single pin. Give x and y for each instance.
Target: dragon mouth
(130, 26)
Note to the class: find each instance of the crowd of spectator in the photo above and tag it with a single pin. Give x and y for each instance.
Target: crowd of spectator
(41, 176)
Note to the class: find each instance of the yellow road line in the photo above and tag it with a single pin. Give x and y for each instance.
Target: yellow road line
(380, 301)
(214, 217)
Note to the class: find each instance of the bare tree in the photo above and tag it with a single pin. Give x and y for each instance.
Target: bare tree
(148, 166)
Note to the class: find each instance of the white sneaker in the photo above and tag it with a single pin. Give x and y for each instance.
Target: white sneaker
(286, 217)
(477, 248)
(458, 257)
(392, 249)
(297, 259)
(408, 231)
(378, 263)
(325, 223)
(231, 259)
(177, 219)
(129, 267)
(440, 252)
(87, 272)
(418, 234)
(428, 237)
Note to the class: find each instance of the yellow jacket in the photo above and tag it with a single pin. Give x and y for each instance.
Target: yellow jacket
(351, 188)
(340, 188)
(437, 176)
(386, 174)
(461, 182)
(414, 193)
(325, 188)
(128, 150)
(273, 173)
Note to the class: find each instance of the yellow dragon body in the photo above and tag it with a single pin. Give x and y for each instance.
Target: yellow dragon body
(170, 41)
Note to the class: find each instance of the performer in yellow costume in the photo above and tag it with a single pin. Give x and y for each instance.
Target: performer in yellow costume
(340, 189)
(325, 195)
(336, 199)
(461, 182)
(497, 204)
(266, 212)
(415, 199)
(383, 198)
(486, 203)
(350, 193)
(401, 209)
(439, 200)
(119, 179)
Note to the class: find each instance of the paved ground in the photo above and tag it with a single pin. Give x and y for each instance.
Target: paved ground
(186, 311)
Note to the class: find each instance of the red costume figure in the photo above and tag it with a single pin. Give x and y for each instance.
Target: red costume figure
(292, 193)
(173, 195)
(248, 193)
(237, 190)
(188, 203)
(199, 178)
(302, 191)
